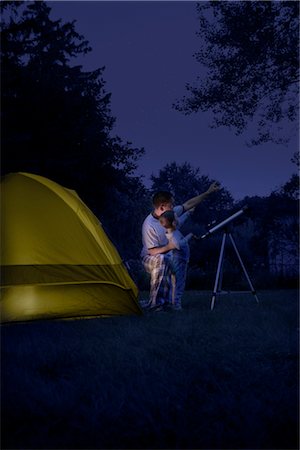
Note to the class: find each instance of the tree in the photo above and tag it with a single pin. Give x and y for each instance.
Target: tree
(57, 122)
(272, 245)
(290, 190)
(126, 206)
(56, 118)
(250, 54)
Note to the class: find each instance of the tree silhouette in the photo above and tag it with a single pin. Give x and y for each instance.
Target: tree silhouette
(57, 122)
(56, 118)
(250, 54)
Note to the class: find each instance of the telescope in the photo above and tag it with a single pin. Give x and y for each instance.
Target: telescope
(219, 275)
(225, 222)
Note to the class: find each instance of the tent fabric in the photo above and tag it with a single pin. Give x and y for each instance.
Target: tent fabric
(56, 259)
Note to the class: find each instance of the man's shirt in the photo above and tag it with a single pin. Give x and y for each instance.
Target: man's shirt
(153, 233)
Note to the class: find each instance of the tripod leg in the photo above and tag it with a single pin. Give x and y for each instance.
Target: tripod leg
(218, 272)
(219, 289)
(243, 267)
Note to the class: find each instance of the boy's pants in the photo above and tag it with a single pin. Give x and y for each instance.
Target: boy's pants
(179, 268)
(159, 267)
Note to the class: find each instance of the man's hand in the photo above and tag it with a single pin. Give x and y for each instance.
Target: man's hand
(159, 250)
(193, 202)
(214, 187)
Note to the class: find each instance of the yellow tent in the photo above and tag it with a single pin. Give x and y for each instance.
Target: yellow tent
(56, 260)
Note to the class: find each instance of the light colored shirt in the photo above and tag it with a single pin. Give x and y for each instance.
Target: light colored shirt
(154, 234)
(182, 249)
(177, 238)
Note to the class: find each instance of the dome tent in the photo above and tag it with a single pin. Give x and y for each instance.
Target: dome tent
(56, 260)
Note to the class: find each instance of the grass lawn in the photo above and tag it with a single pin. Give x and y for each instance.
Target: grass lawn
(196, 379)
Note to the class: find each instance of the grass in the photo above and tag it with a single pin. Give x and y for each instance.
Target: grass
(196, 379)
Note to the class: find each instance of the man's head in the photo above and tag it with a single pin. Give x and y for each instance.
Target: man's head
(162, 201)
(168, 219)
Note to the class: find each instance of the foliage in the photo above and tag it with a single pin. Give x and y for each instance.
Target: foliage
(291, 188)
(295, 159)
(128, 206)
(56, 118)
(272, 246)
(250, 54)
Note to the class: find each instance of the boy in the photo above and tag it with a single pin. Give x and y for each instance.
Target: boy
(180, 254)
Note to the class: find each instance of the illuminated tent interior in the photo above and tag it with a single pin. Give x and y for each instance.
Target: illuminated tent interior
(56, 260)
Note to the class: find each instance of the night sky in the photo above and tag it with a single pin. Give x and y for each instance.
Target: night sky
(147, 49)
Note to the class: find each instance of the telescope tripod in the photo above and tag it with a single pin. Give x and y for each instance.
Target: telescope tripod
(219, 274)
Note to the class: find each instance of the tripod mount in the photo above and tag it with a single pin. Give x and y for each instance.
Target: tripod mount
(219, 275)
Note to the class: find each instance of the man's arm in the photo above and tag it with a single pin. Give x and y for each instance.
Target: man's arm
(158, 250)
(153, 243)
(189, 204)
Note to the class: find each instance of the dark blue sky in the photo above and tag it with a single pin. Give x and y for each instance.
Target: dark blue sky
(147, 49)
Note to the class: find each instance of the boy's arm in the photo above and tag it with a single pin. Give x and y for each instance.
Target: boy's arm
(189, 204)
(181, 219)
(188, 237)
(183, 240)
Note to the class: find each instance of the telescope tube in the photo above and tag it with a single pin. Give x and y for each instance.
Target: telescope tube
(225, 222)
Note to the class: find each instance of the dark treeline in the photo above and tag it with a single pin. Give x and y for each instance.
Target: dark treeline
(57, 122)
(56, 119)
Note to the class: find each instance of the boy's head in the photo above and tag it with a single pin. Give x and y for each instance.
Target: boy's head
(168, 220)
(162, 201)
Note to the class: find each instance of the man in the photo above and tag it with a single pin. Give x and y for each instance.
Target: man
(155, 250)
